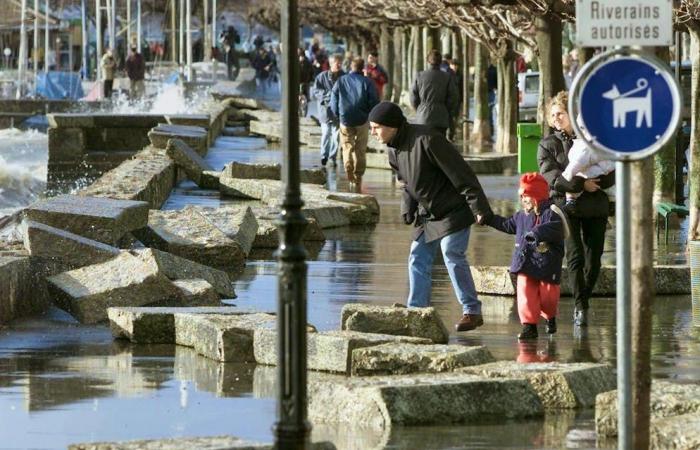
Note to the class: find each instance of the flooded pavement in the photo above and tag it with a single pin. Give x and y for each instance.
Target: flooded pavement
(62, 383)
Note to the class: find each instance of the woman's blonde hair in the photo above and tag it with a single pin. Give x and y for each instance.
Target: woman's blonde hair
(561, 100)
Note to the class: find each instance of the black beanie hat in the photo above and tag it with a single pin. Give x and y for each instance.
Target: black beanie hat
(388, 114)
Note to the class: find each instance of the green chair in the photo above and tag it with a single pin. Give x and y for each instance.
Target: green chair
(665, 209)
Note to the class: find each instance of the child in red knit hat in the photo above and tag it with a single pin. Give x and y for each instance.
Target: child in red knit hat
(539, 229)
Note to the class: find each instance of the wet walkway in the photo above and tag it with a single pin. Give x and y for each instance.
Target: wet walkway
(62, 383)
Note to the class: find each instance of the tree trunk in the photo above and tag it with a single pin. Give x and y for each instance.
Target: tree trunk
(446, 41)
(407, 74)
(386, 58)
(417, 37)
(399, 65)
(432, 40)
(465, 91)
(508, 107)
(481, 132)
(500, 106)
(694, 172)
(548, 38)
(665, 159)
(642, 293)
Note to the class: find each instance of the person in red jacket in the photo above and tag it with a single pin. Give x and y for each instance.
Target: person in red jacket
(376, 73)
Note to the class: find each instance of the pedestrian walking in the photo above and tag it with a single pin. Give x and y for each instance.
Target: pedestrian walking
(306, 73)
(330, 127)
(435, 96)
(584, 247)
(108, 65)
(375, 72)
(441, 197)
(136, 71)
(262, 63)
(229, 38)
(537, 257)
(352, 98)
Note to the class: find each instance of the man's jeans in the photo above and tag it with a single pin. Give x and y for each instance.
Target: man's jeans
(420, 269)
(329, 140)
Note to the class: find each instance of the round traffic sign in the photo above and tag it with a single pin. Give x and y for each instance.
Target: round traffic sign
(626, 104)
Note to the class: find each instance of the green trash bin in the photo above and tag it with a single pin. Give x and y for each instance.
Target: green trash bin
(529, 135)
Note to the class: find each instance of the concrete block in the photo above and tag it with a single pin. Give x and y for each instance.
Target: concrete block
(669, 280)
(416, 322)
(398, 359)
(149, 176)
(428, 399)
(195, 137)
(184, 443)
(66, 144)
(268, 234)
(194, 120)
(62, 120)
(127, 120)
(16, 293)
(221, 338)
(194, 293)
(210, 180)
(188, 234)
(676, 432)
(67, 248)
(667, 400)
(177, 268)
(237, 223)
(102, 219)
(187, 159)
(156, 325)
(271, 172)
(126, 280)
(328, 351)
(559, 385)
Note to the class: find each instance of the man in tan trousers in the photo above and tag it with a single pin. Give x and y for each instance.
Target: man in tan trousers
(352, 98)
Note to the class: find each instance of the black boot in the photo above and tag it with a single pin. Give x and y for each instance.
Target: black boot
(551, 325)
(529, 332)
(580, 317)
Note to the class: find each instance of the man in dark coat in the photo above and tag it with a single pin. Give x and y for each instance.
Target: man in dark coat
(136, 70)
(321, 91)
(441, 196)
(435, 96)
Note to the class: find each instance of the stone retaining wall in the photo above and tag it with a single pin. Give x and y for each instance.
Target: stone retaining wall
(85, 146)
(14, 111)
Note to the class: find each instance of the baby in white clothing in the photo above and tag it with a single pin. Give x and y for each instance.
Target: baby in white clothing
(586, 163)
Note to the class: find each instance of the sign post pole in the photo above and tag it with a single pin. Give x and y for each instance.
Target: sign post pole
(624, 341)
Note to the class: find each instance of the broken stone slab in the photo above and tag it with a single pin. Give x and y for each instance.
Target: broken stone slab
(225, 338)
(328, 351)
(102, 219)
(188, 234)
(185, 443)
(196, 120)
(424, 399)
(64, 247)
(177, 268)
(398, 359)
(676, 432)
(195, 293)
(401, 321)
(268, 234)
(559, 385)
(235, 169)
(189, 160)
(18, 295)
(149, 176)
(210, 179)
(669, 280)
(126, 280)
(238, 223)
(234, 131)
(667, 399)
(329, 212)
(156, 325)
(195, 137)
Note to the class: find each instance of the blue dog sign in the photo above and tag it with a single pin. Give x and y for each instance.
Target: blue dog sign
(625, 104)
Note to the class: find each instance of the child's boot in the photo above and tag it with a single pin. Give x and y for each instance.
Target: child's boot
(551, 325)
(529, 332)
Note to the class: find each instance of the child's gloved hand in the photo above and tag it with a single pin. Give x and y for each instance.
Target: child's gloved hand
(530, 238)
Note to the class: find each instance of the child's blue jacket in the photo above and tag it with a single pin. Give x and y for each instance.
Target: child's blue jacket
(539, 244)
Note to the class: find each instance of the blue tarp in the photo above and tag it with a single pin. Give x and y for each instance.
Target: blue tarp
(59, 85)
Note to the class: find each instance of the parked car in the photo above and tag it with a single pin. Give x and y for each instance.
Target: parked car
(528, 94)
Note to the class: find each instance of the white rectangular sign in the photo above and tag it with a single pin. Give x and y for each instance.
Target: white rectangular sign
(607, 23)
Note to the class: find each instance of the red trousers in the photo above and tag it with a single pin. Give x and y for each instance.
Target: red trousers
(536, 298)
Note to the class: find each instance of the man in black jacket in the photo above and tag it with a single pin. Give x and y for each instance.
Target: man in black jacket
(441, 196)
(435, 96)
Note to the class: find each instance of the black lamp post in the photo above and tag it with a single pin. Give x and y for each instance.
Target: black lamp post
(292, 428)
